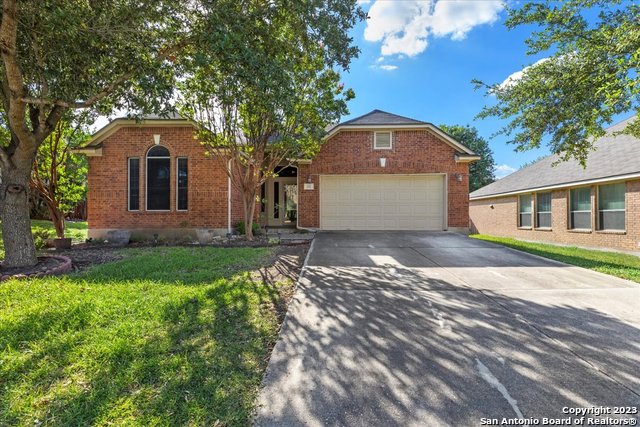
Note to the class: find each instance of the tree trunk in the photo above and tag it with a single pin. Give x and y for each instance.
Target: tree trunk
(249, 204)
(20, 251)
(57, 217)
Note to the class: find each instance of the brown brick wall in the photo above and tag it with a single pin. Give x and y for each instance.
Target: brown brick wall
(107, 196)
(502, 220)
(413, 152)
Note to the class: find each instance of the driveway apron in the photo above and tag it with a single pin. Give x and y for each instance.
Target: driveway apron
(435, 328)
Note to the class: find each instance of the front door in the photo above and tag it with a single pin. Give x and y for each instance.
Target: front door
(282, 202)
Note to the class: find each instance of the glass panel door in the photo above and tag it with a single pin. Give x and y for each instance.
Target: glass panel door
(290, 203)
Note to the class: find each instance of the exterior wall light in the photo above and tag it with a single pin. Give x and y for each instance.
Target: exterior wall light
(383, 162)
(458, 176)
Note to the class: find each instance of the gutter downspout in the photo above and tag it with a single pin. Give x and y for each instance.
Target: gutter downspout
(229, 198)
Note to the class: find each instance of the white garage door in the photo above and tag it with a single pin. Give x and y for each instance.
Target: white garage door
(382, 202)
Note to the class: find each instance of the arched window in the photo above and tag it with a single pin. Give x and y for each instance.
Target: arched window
(158, 179)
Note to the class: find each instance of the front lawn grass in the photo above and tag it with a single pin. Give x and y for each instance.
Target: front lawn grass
(166, 336)
(616, 264)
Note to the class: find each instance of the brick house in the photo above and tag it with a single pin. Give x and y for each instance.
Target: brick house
(379, 171)
(596, 206)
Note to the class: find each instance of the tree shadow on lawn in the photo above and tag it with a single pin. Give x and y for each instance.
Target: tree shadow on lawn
(189, 355)
(439, 354)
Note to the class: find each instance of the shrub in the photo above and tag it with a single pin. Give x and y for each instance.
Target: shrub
(41, 237)
(242, 230)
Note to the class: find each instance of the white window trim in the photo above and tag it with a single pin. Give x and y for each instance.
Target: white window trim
(177, 179)
(146, 179)
(129, 184)
(375, 139)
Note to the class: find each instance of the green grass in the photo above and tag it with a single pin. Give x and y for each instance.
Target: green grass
(167, 336)
(76, 230)
(616, 264)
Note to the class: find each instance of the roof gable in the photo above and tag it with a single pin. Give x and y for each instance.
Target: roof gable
(614, 156)
(381, 118)
(378, 119)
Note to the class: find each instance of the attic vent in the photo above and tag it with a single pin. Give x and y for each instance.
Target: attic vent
(382, 140)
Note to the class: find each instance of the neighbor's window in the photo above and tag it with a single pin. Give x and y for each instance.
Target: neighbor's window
(158, 179)
(580, 208)
(382, 140)
(611, 206)
(543, 210)
(524, 216)
(182, 203)
(134, 184)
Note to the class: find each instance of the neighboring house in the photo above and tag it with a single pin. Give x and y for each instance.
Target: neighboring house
(596, 206)
(376, 172)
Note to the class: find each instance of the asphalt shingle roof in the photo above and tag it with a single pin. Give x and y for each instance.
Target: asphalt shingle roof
(613, 156)
(379, 117)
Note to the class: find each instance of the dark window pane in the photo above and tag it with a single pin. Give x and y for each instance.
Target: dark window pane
(134, 184)
(276, 200)
(581, 199)
(543, 202)
(544, 219)
(525, 203)
(611, 196)
(525, 220)
(581, 220)
(612, 220)
(263, 197)
(158, 184)
(183, 184)
(158, 151)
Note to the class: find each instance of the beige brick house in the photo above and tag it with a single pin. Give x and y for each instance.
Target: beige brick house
(379, 171)
(596, 206)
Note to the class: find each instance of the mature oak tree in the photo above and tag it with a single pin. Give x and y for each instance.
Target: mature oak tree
(589, 75)
(481, 173)
(274, 101)
(58, 55)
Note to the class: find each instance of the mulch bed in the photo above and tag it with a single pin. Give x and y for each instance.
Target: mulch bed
(50, 265)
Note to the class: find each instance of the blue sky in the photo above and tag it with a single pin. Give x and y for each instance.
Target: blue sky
(418, 61)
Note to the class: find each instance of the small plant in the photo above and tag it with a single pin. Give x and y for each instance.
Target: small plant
(242, 228)
(41, 238)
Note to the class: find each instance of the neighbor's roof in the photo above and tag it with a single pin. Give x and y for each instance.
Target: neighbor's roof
(378, 119)
(615, 157)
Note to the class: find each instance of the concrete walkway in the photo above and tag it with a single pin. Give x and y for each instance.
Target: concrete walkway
(433, 329)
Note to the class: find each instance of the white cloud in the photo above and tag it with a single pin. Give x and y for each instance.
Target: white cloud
(515, 77)
(404, 27)
(504, 170)
(364, 2)
(388, 67)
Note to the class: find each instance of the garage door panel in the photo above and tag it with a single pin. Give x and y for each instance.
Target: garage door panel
(382, 202)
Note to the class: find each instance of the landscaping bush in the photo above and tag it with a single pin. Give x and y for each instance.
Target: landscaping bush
(242, 228)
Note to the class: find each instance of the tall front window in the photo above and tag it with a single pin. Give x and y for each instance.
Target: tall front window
(182, 203)
(134, 184)
(158, 179)
(580, 208)
(543, 210)
(611, 207)
(524, 216)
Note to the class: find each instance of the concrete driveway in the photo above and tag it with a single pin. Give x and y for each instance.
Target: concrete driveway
(432, 329)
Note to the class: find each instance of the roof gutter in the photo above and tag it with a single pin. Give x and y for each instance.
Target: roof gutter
(558, 186)
(88, 151)
(465, 158)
